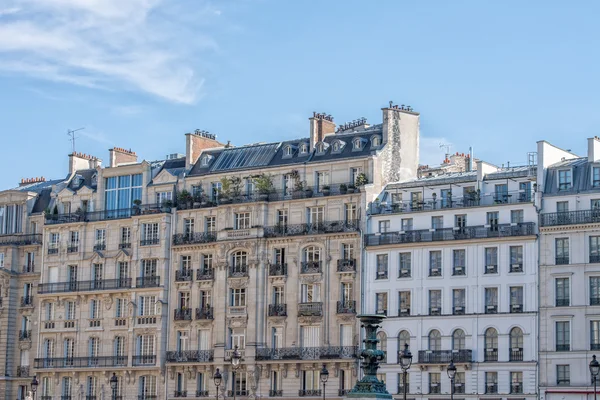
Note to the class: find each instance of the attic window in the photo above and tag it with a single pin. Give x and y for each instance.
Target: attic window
(336, 147)
(375, 141)
(303, 148)
(320, 148)
(95, 180)
(356, 144)
(287, 151)
(204, 161)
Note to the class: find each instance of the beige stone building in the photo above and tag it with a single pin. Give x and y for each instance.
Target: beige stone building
(155, 271)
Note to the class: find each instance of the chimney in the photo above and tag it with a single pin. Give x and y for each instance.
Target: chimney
(82, 161)
(321, 125)
(120, 156)
(196, 142)
(594, 149)
(29, 181)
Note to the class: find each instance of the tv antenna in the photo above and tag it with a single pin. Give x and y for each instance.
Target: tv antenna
(447, 147)
(72, 137)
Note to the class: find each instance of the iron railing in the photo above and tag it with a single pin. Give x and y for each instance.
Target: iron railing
(182, 314)
(570, 218)
(515, 355)
(204, 313)
(314, 309)
(594, 301)
(491, 388)
(28, 268)
(310, 267)
(201, 393)
(21, 240)
(93, 216)
(25, 335)
(26, 301)
(180, 239)
(99, 246)
(447, 234)
(149, 359)
(23, 371)
(311, 228)
(278, 310)
(563, 347)
(190, 356)
(275, 393)
(150, 241)
(490, 355)
(241, 393)
(81, 362)
(147, 282)
(561, 260)
(516, 388)
(85, 286)
(180, 393)
(205, 274)
(239, 270)
(278, 269)
(309, 393)
(443, 356)
(306, 353)
(346, 307)
(184, 275)
(562, 302)
(346, 265)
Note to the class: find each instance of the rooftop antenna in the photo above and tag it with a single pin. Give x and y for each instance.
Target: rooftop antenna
(447, 147)
(72, 137)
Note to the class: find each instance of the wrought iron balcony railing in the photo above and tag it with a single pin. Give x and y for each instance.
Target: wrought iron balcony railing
(594, 301)
(28, 268)
(515, 354)
(104, 215)
(309, 393)
(562, 302)
(563, 347)
(490, 355)
(561, 260)
(21, 240)
(448, 234)
(25, 335)
(147, 282)
(182, 314)
(180, 393)
(310, 267)
(124, 245)
(306, 353)
(491, 388)
(204, 313)
(201, 393)
(27, 301)
(275, 393)
(443, 356)
(72, 248)
(278, 310)
(99, 246)
(190, 356)
(140, 360)
(516, 388)
(240, 393)
(81, 362)
(240, 270)
(23, 371)
(205, 274)
(84, 286)
(184, 275)
(180, 239)
(312, 228)
(346, 265)
(570, 218)
(346, 307)
(149, 241)
(278, 269)
(314, 309)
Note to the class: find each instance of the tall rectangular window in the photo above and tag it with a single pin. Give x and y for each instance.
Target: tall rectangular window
(150, 234)
(493, 220)
(459, 263)
(384, 226)
(435, 263)
(458, 301)
(561, 251)
(347, 251)
(125, 237)
(516, 259)
(100, 243)
(563, 336)
(516, 382)
(460, 221)
(594, 290)
(594, 335)
(446, 198)
(491, 382)
(564, 179)
(350, 212)
(562, 292)
(491, 300)
(382, 266)
(407, 224)
(434, 382)
(594, 249)
(563, 375)
(491, 260)
(242, 220)
(516, 299)
(435, 302)
(210, 224)
(596, 176)
(405, 265)
(381, 303)
(517, 216)
(188, 227)
(562, 206)
(237, 297)
(316, 215)
(404, 303)
(524, 191)
(437, 222)
(501, 193)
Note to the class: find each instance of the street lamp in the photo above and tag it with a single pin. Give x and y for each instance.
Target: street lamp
(405, 362)
(235, 363)
(594, 369)
(35, 383)
(217, 378)
(324, 376)
(114, 381)
(451, 374)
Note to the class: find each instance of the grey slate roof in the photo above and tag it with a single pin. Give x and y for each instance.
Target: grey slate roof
(445, 179)
(581, 177)
(511, 172)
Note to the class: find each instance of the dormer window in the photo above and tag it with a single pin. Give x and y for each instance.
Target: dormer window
(356, 145)
(303, 148)
(320, 148)
(596, 176)
(205, 160)
(287, 151)
(95, 180)
(564, 179)
(336, 147)
(375, 141)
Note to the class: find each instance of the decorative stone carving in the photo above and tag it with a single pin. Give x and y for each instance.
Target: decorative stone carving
(108, 301)
(313, 278)
(238, 283)
(239, 322)
(310, 319)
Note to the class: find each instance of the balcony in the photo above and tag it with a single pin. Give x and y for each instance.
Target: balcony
(309, 393)
(28, 268)
(449, 234)
(310, 267)
(306, 353)
(562, 302)
(570, 218)
(314, 309)
(27, 301)
(150, 241)
(278, 269)
(275, 393)
(147, 319)
(434, 388)
(194, 356)
(73, 248)
(81, 362)
(516, 388)
(346, 265)
(84, 286)
(491, 388)
(25, 335)
(20, 240)
(181, 239)
(515, 354)
(490, 355)
(180, 393)
(491, 309)
(458, 310)
(124, 245)
(23, 371)
(201, 393)
(242, 393)
(346, 307)
(147, 282)
(149, 359)
(100, 247)
(561, 260)
(516, 267)
(311, 228)
(594, 301)
(453, 202)
(277, 310)
(184, 275)
(52, 249)
(516, 308)
(238, 271)
(205, 274)
(443, 356)
(459, 388)
(182, 314)
(404, 312)
(105, 215)
(204, 313)
(563, 347)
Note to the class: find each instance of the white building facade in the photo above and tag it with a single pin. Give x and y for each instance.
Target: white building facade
(452, 261)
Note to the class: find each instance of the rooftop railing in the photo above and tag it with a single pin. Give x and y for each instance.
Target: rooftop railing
(104, 215)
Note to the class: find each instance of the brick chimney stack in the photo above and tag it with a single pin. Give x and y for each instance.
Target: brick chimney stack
(321, 125)
(197, 141)
(121, 156)
(83, 161)
(29, 181)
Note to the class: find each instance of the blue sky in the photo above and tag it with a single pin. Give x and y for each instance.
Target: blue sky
(497, 76)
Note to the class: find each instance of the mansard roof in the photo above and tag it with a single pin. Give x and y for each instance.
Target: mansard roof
(581, 177)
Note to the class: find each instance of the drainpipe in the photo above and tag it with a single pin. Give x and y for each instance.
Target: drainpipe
(363, 259)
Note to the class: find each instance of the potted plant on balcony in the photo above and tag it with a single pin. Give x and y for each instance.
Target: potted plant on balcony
(264, 185)
(326, 190)
(197, 203)
(225, 192)
(166, 206)
(351, 188)
(343, 188)
(298, 184)
(361, 180)
(184, 200)
(136, 207)
(308, 191)
(236, 188)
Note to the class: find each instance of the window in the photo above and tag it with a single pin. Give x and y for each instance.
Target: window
(382, 266)
(435, 340)
(460, 221)
(381, 303)
(94, 309)
(347, 251)
(405, 265)
(562, 293)
(384, 226)
(458, 262)
(311, 382)
(70, 310)
(54, 243)
(188, 227)
(316, 215)
(491, 382)
(351, 212)
(491, 300)
(150, 234)
(516, 259)
(595, 204)
(501, 193)
(121, 191)
(493, 221)
(562, 206)
(404, 303)
(403, 339)
(149, 267)
(237, 297)
(320, 148)
(416, 200)
(435, 302)
(595, 176)
(491, 345)
(336, 146)
(516, 345)
(446, 198)
(1, 260)
(310, 293)
(437, 222)
(147, 306)
(407, 224)
(100, 243)
(517, 216)
(210, 224)
(147, 387)
(163, 197)
(563, 336)
(491, 260)
(594, 290)
(562, 251)
(121, 308)
(376, 141)
(303, 148)
(66, 387)
(594, 249)
(524, 191)
(458, 301)
(564, 179)
(356, 144)
(516, 299)
(242, 220)
(458, 340)
(125, 237)
(73, 239)
(563, 375)
(434, 382)
(594, 335)
(435, 263)
(287, 152)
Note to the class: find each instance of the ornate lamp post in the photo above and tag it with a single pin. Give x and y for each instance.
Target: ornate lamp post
(594, 369)
(324, 375)
(217, 378)
(405, 363)
(114, 381)
(451, 370)
(34, 385)
(235, 363)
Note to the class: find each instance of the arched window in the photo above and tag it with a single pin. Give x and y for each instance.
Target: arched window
(204, 161)
(312, 253)
(303, 148)
(376, 141)
(288, 151)
(336, 146)
(491, 345)
(239, 263)
(403, 338)
(435, 340)
(516, 344)
(458, 339)
(356, 144)
(382, 344)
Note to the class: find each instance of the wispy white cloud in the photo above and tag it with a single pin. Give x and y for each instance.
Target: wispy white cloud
(134, 44)
(128, 110)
